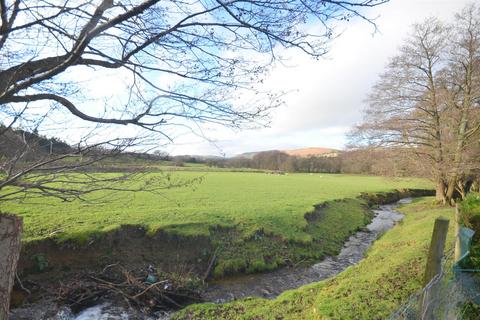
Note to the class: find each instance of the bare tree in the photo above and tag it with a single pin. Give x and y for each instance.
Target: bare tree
(184, 64)
(427, 100)
(405, 108)
(463, 89)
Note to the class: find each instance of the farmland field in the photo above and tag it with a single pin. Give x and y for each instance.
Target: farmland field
(273, 203)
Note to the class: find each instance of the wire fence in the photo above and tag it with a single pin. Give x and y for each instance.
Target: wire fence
(454, 293)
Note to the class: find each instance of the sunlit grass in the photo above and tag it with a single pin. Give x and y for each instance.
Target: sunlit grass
(248, 201)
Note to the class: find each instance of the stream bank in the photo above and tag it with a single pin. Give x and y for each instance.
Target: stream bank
(230, 288)
(271, 284)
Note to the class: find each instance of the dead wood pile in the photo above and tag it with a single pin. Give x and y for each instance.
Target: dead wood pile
(145, 290)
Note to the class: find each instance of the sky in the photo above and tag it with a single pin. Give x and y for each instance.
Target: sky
(326, 96)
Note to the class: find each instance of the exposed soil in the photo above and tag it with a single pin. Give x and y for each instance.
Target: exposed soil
(45, 266)
(379, 198)
(129, 245)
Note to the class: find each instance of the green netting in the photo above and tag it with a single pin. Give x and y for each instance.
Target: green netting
(465, 235)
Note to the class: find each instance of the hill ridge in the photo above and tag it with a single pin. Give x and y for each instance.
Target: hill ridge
(300, 152)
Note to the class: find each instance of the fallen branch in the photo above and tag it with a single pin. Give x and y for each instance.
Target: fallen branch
(213, 259)
(21, 284)
(149, 287)
(131, 288)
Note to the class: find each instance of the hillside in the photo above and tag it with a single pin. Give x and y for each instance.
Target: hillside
(302, 153)
(14, 142)
(313, 151)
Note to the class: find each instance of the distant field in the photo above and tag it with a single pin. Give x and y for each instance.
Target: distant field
(248, 201)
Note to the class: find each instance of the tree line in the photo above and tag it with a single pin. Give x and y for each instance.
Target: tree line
(372, 161)
(279, 161)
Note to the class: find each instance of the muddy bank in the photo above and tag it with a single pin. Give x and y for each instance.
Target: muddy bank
(46, 267)
(379, 198)
(129, 245)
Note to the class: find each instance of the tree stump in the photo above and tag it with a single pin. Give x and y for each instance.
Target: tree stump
(10, 244)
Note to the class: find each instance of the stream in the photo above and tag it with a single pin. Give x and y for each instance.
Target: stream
(266, 285)
(271, 284)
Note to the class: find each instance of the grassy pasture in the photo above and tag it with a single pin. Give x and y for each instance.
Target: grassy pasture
(247, 201)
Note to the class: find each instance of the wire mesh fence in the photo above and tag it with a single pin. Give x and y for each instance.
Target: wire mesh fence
(454, 293)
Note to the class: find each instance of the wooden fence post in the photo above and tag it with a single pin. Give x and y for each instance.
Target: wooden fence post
(437, 246)
(434, 265)
(457, 234)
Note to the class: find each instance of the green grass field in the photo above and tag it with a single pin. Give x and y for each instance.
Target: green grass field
(275, 204)
(370, 290)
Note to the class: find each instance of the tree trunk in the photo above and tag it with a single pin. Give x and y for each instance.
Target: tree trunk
(10, 236)
(452, 183)
(475, 187)
(440, 191)
(463, 187)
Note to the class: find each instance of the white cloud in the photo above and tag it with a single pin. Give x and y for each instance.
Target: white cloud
(327, 95)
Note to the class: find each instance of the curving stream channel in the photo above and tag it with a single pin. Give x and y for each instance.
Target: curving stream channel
(271, 284)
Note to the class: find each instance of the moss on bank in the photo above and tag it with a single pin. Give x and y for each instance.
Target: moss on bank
(372, 289)
(327, 228)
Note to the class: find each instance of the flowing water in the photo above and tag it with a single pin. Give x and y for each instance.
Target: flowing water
(267, 285)
(270, 285)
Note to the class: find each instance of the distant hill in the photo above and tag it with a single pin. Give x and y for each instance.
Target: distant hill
(249, 155)
(314, 151)
(302, 153)
(15, 141)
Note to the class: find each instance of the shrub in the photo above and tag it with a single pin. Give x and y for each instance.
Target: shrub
(470, 216)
